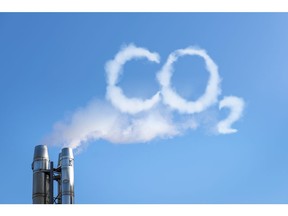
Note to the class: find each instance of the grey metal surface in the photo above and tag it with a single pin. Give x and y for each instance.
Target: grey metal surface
(59, 197)
(40, 193)
(51, 183)
(67, 176)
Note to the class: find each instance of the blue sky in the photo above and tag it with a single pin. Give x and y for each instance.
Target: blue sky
(53, 64)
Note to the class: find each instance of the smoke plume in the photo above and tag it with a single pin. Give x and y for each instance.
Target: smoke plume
(100, 120)
(120, 119)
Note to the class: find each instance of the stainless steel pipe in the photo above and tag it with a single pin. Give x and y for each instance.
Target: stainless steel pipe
(67, 176)
(40, 193)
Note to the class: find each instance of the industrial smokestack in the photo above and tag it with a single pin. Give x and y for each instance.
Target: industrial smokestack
(40, 178)
(44, 175)
(67, 176)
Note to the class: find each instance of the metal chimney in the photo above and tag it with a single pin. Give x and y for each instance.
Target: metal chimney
(67, 176)
(40, 178)
(44, 175)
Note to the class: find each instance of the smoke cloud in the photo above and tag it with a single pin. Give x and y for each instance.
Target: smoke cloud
(122, 120)
(100, 120)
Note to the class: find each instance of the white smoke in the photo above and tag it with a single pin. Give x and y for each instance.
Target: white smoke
(99, 120)
(133, 120)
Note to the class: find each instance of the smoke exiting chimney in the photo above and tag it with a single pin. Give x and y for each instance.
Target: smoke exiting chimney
(44, 175)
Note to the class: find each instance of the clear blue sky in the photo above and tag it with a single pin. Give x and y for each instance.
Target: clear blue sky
(52, 64)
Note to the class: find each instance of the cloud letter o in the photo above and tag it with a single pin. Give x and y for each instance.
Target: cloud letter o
(173, 99)
(113, 70)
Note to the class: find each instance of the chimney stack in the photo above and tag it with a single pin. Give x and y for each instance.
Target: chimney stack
(44, 175)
